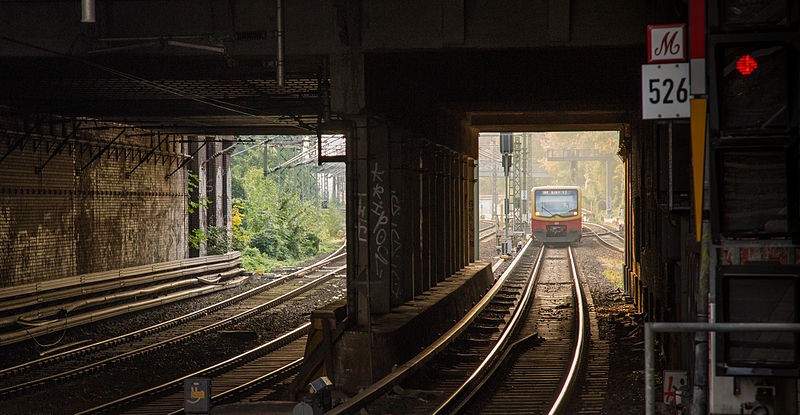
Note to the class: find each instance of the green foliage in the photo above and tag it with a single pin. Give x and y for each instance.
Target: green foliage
(277, 226)
(589, 175)
(215, 239)
(237, 189)
(613, 272)
(193, 184)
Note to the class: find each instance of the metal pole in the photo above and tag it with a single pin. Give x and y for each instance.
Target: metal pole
(608, 188)
(279, 35)
(649, 370)
(506, 205)
(701, 350)
(477, 215)
(88, 11)
(265, 160)
(494, 191)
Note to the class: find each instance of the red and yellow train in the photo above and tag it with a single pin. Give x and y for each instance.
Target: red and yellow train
(556, 214)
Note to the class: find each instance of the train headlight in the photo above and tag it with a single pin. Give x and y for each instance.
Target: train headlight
(575, 213)
(537, 213)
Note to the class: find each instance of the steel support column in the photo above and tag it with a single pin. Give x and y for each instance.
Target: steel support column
(379, 228)
(438, 233)
(401, 235)
(414, 195)
(410, 217)
(426, 212)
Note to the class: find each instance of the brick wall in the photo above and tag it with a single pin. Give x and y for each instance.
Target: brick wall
(58, 222)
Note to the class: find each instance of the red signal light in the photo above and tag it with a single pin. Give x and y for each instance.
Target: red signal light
(746, 65)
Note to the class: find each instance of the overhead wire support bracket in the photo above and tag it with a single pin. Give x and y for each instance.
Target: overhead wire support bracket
(147, 156)
(101, 152)
(185, 161)
(17, 143)
(59, 147)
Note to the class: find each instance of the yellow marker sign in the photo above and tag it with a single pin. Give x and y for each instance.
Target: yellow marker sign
(698, 131)
(196, 394)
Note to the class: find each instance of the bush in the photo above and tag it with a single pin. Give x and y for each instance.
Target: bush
(309, 245)
(268, 244)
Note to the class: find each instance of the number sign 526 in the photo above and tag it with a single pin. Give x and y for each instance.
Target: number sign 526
(665, 91)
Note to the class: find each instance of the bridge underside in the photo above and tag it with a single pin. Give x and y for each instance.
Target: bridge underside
(412, 183)
(411, 96)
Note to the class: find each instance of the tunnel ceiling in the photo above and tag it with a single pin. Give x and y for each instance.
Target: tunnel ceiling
(193, 94)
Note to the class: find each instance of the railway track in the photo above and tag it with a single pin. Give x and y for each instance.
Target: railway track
(487, 233)
(533, 324)
(254, 373)
(38, 309)
(606, 236)
(90, 358)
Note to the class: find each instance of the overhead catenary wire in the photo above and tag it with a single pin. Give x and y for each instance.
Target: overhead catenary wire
(217, 103)
(307, 156)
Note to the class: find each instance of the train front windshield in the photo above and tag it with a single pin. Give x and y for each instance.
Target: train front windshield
(550, 203)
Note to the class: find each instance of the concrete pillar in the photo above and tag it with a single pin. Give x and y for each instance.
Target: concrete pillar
(451, 211)
(379, 202)
(446, 213)
(213, 182)
(193, 170)
(220, 201)
(401, 180)
(415, 192)
(227, 192)
(358, 293)
(427, 181)
(409, 214)
(439, 201)
(468, 196)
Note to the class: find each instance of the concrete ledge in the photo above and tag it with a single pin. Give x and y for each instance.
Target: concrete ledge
(401, 334)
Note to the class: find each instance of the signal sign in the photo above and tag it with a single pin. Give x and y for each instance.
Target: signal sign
(665, 91)
(666, 43)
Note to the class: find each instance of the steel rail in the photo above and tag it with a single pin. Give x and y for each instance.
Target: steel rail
(580, 341)
(235, 361)
(91, 367)
(612, 232)
(604, 242)
(461, 396)
(383, 385)
(487, 236)
(172, 322)
(83, 370)
(247, 388)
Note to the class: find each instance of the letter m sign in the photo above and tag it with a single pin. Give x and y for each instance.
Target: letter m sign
(666, 43)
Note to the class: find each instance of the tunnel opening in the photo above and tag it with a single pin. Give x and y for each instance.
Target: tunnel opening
(550, 185)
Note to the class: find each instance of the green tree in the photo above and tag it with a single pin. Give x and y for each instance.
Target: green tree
(278, 224)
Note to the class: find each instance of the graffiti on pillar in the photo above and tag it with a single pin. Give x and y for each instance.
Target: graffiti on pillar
(396, 245)
(362, 217)
(379, 231)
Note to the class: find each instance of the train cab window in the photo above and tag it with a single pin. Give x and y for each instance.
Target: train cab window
(560, 202)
